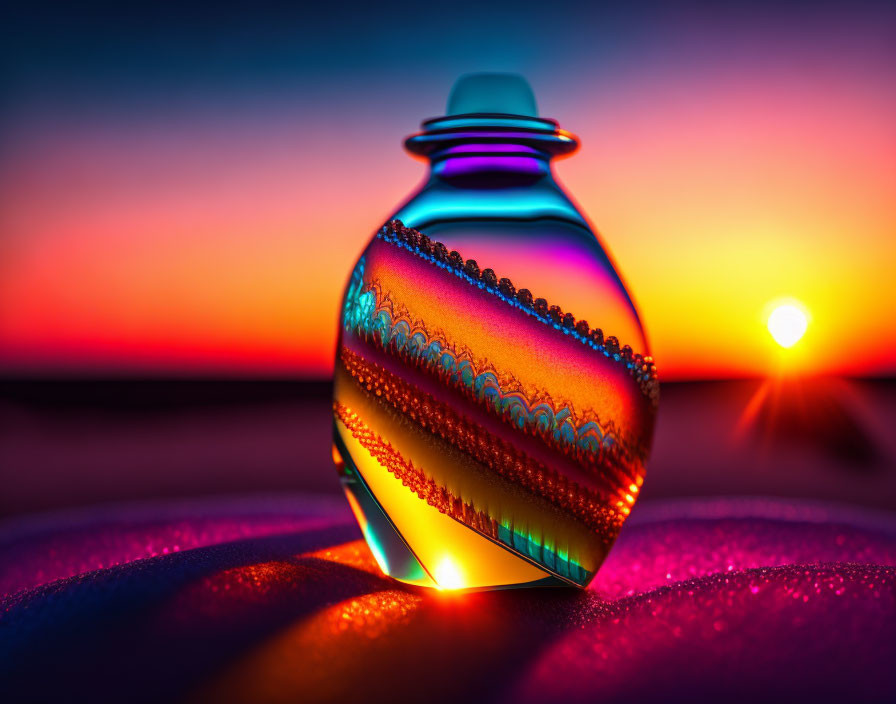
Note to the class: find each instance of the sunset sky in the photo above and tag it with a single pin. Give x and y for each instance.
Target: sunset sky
(186, 193)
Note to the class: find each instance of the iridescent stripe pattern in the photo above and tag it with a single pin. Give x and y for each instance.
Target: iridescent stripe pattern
(490, 406)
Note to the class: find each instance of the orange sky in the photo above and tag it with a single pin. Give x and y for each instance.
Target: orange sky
(209, 245)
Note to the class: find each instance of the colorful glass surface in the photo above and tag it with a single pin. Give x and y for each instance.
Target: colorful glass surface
(485, 435)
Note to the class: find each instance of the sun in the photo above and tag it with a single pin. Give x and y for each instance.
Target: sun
(787, 324)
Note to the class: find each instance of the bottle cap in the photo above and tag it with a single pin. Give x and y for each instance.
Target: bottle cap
(506, 93)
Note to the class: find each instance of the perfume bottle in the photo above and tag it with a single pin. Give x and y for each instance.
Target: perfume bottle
(494, 399)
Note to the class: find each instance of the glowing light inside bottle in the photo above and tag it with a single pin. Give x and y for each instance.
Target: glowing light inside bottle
(448, 575)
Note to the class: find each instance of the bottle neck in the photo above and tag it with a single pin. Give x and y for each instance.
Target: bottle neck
(490, 149)
(489, 167)
(492, 163)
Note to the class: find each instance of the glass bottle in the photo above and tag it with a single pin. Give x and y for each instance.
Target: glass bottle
(494, 398)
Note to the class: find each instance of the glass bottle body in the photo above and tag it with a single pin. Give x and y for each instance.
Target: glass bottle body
(494, 398)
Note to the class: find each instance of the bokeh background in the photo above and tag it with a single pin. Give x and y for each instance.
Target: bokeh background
(184, 188)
